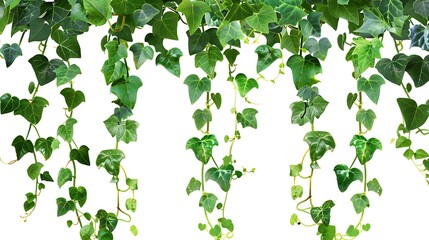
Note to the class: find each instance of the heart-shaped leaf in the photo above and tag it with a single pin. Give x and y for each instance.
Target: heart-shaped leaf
(365, 148)
(245, 84)
(418, 69)
(319, 142)
(393, 70)
(203, 147)
(221, 175)
(414, 116)
(110, 160)
(346, 175)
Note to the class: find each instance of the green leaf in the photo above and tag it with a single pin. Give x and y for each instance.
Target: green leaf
(360, 202)
(65, 75)
(193, 185)
(32, 111)
(202, 148)
(170, 61)
(44, 146)
(228, 31)
(231, 55)
(113, 72)
(134, 230)
(260, 21)
(10, 53)
(78, 194)
(266, 56)
(352, 231)
(208, 202)
(393, 70)
(98, 11)
(304, 70)
(65, 131)
(216, 231)
(131, 204)
(365, 148)
(346, 175)
(64, 175)
(322, 213)
(145, 14)
(22, 146)
(371, 86)
(45, 176)
(86, 232)
(366, 227)
(365, 53)
(115, 127)
(414, 116)
(294, 219)
(197, 86)
(217, 99)
(8, 103)
(349, 12)
(126, 7)
(141, 54)
(221, 175)
(126, 90)
(64, 206)
(68, 46)
(311, 26)
(104, 234)
(418, 69)
(108, 221)
(194, 12)
(374, 186)
(372, 24)
(316, 108)
(81, 155)
(420, 154)
(291, 12)
(132, 183)
(33, 171)
(226, 223)
(296, 192)
(421, 7)
(295, 170)
(319, 142)
(366, 117)
(245, 84)
(130, 131)
(116, 51)
(73, 98)
(239, 11)
(202, 117)
(402, 142)
(318, 49)
(419, 37)
(44, 69)
(408, 154)
(391, 9)
(327, 232)
(166, 27)
(351, 98)
(207, 60)
(248, 118)
(197, 41)
(291, 41)
(110, 160)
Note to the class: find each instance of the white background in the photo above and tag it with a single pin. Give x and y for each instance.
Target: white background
(259, 204)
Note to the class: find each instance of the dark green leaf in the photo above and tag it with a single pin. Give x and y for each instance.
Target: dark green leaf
(318, 49)
(206, 60)
(202, 117)
(245, 84)
(141, 54)
(365, 148)
(64, 175)
(33, 171)
(248, 118)
(104, 234)
(108, 221)
(22, 146)
(8, 103)
(115, 127)
(349, 12)
(170, 61)
(322, 213)
(126, 7)
(260, 21)
(10, 53)
(291, 41)
(311, 26)
(126, 90)
(374, 186)
(366, 117)
(304, 70)
(231, 55)
(266, 56)
(44, 146)
(351, 98)
(217, 99)
(319, 142)
(144, 15)
(360, 202)
(45, 176)
(64, 206)
(393, 70)
(78, 194)
(73, 98)
(113, 72)
(291, 12)
(32, 111)
(193, 185)
(239, 11)
(202, 148)
(198, 41)
(110, 160)
(346, 175)
(221, 175)
(418, 69)
(166, 27)
(208, 202)
(194, 12)
(39, 30)
(81, 155)
(44, 69)
(65, 74)
(197, 86)
(65, 131)
(419, 37)
(414, 116)
(68, 46)
(98, 11)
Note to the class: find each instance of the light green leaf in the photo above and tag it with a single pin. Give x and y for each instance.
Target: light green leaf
(318, 49)
(33, 171)
(365, 148)
(64, 175)
(126, 90)
(98, 11)
(374, 186)
(145, 14)
(365, 53)
(131, 204)
(295, 170)
(402, 142)
(202, 117)
(360, 202)
(327, 232)
(352, 231)
(248, 118)
(414, 116)
(221, 175)
(346, 175)
(206, 60)
(65, 74)
(266, 56)
(260, 21)
(44, 146)
(366, 117)
(208, 202)
(197, 86)
(245, 84)
(203, 147)
(420, 154)
(291, 12)
(194, 12)
(228, 31)
(110, 160)
(86, 232)
(296, 192)
(193, 185)
(134, 230)
(65, 131)
(319, 142)
(372, 24)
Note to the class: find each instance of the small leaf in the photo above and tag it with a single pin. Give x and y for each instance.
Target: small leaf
(141, 54)
(10, 53)
(352, 231)
(374, 186)
(366, 227)
(208, 202)
(78, 194)
(408, 154)
(44, 146)
(33, 170)
(65, 74)
(64, 175)
(360, 202)
(197, 86)
(81, 155)
(402, 142)
(221, 175)
(145, 14)
(294, 219)
(202, 226)
(365, 148)
(202, 148)
(202, 117)
(134, 230)
(110, 160)
(130, 131)
(45, 176)
(371, 87)
(351, 98)
(248, 118)
(86, 232)
(170, 61)
(131, 204)
(414, 116)
(132, 183)
(366, 117)
(126, 90)
(345, 176)
(64, 206)
(245, 84)
(216, 231)
(226, 223)
(295, 170)
(266, 56)
(296, 192)
(217, 99)
(319, 142)
(65, 131)
(193, 185)
(73, 98)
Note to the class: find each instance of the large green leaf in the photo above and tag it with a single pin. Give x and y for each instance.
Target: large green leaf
(44, 69)
(145, 14)
(245, 84)
(22, 146)
(322, 213)
(365, 148)
(391, 9)
(311, 26)
(78, 194)
(33, 171)
(166, 27)
(346, 175)
(266, 56)
(291, 41)
(110, 160)
(64, 206)
(65, 131)
(206, 60)
(193, 185)
(73, 98)
(44, 146)
(141, 54)
(304, 70)
(8, 103)
(421, 7)
(108, 221)
(350, 12)
(221, 175)
(170, 60)
(10, 53)
(113, 72)
(126, 90)
(393, 70)
(208, 202)
(319, 142)
(202, 117)
(260, 21)
(418, 69)
(372, 24)
(126, 7)
(414, 116)
(327, 232)
(228, 31)
(248, 118)
(194, 12)
(32, 111)
(98, 11)
(65, 74)
(68, 46)
(197, 86)
(366, 117)
(291, 12)
(371, 86)
(198, 41)
(239, 11)
(318, 49)
(365, 53)
(203, 147)
(81, 155)
(360, 202)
